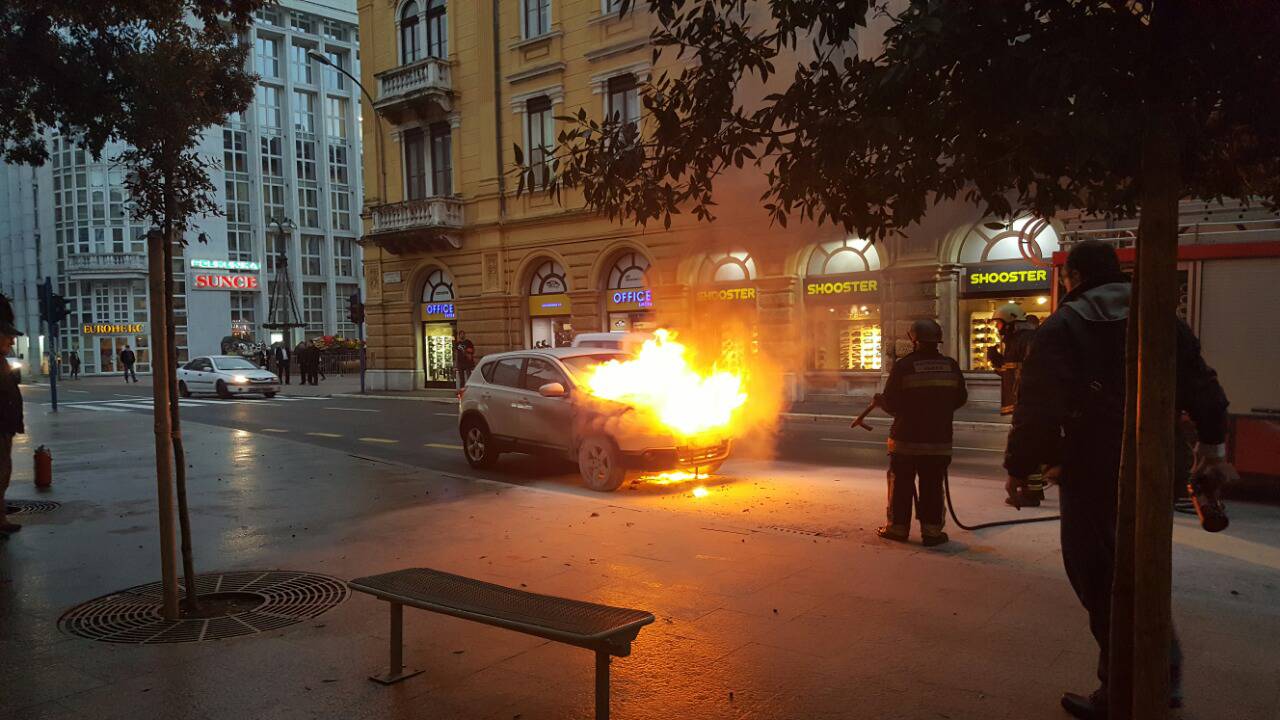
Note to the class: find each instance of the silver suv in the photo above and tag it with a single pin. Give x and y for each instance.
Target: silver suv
(531, 401)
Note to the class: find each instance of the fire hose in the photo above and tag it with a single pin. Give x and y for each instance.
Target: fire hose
(861, 421)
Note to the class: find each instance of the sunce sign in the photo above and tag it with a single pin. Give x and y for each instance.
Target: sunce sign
(225, 282)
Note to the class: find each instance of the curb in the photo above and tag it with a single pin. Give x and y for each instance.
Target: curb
(877, 422)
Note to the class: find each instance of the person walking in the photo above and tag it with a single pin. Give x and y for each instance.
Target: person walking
(923, 391)
(1070, 418)
(282, 358)
(464, 358)
(127, 359)
(10, 411)
(74, 360)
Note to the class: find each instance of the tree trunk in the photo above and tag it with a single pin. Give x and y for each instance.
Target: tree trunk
(1120, 662)
(1157, 345)
(160, 409)
(175, 419)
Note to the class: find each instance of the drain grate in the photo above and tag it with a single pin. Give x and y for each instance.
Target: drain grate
(255, 602)
(807, 532)
(30, 507)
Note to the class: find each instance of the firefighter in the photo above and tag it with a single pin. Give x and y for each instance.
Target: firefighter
(922, 393)
(1016, 330)
(1070, 417)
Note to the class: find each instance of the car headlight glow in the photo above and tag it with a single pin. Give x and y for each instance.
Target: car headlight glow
(239, 379)
(16, 364)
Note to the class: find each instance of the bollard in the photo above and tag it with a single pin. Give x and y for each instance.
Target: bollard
(44, 467)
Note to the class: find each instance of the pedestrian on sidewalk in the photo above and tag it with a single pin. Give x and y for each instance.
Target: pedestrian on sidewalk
(1070, 418)
(923, 391)
(281, 355)
(464, 358)
(127, 359)
(74, 360)
(10, 411)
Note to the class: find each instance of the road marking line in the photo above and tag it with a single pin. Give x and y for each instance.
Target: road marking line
(324, 434)
(452, 414)
(131, 405)
(384, 441)
(98, 408)
(351, 409)
(444, 446)
(275, 430)
(882, 444)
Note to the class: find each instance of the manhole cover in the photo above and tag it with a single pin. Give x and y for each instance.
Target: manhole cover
(30, 507)
(236, 603)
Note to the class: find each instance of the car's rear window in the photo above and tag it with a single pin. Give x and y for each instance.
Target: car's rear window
(486, 371)
(580, 363)
(507, 372)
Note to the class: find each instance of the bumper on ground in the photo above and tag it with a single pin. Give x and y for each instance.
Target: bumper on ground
(675, 458)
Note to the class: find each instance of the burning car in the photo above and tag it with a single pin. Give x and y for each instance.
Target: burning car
(614, 413)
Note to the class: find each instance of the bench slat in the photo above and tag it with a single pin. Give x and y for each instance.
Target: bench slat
(570, 621)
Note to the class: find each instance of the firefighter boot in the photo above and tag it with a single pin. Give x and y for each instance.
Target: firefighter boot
(897, 533)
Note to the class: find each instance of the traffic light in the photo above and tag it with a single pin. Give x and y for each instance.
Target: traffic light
(46, 290)
(58, 310)
(355, 308)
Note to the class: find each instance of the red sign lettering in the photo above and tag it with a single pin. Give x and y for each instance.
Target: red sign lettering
(226, 282)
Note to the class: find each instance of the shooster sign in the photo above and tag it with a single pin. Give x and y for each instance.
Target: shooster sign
(843, 289)
(1004, 278)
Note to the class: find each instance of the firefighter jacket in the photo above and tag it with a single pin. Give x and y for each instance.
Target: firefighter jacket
(1007, 362)
(923, 392)
(1070, 408)
(10, 402)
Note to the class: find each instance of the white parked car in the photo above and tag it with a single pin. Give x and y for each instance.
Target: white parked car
(530, 401)
(628, 342)
(226, 376)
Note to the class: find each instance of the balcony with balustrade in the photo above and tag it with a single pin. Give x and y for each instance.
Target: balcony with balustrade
(419, 225)
(107, 265)
(414, 88)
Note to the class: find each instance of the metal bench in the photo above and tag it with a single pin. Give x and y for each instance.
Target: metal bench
(606, 630)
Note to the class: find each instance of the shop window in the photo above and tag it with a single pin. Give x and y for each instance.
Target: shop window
(842, 297)
(980, 329)
(548, 279)
(438, 288)
(843, 256)
(629, 302)
(1026, 238)
(628, 271)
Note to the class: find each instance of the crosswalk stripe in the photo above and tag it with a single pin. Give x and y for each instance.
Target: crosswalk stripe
(98, 408)
(130, 405)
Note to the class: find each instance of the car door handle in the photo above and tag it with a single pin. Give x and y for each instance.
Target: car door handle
(521, 406)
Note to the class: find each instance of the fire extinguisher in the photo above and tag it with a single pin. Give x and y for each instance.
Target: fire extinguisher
(44, 467)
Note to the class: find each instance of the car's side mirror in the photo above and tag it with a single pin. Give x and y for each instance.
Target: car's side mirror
(552, 390)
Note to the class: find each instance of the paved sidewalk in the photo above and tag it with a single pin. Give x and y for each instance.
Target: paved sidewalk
(774, 601)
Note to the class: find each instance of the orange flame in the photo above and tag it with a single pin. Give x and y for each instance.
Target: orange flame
(661, 384)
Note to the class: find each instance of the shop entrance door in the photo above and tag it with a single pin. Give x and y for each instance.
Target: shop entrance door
(437, 354)
(108, 354)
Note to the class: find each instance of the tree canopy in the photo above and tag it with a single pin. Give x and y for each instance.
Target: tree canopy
(1033, 105)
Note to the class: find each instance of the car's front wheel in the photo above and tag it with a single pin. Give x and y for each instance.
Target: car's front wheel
(600, 464)
(183, 391)
(223, 392)
(269, 394)
(478, 444)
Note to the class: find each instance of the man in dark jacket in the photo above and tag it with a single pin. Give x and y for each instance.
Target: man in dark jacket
(10, 410)
(281, 356)
(922, 393)
(127, 359)
(1070, 418)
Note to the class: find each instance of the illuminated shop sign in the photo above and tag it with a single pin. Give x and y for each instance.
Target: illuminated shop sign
(113, 328)
(438, 311)
(549, 305)
(843, 289)
(237, 265)
(225, 282)
(727, 294)
(1004, 278)
(630, 299)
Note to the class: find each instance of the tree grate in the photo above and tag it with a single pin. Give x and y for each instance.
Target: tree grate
(273, 599)
(30, 507)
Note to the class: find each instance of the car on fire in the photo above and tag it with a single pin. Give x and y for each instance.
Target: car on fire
(534, 402)
(226, 376)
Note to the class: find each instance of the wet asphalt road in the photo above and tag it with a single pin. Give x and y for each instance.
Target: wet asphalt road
(423, 432)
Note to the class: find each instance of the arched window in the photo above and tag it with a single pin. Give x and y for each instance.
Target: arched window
(1025, 238)
(438, 288)
(410, 43)
(548, 279)
(839, 257)
(629, 270)
(437, 30)
(736, 266)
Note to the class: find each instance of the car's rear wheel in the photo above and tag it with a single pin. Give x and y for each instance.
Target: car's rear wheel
(600, 464)
(269, 395)
(182, 389)
(223, 392)
(478, 444)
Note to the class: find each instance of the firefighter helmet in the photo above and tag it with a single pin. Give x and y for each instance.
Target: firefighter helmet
(1009, 313)
(925, 330)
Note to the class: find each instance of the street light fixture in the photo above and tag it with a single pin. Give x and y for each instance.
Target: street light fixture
(382, 165)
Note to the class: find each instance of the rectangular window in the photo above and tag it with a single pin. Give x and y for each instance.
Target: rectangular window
(304, 112)
(335, 117)
(539, 138)
(276, 245)
(437, 30)
(313, 255)
(305, 158)
(235, 151)
(272, 201)
(339, 172)
(624, 99)
(271, 16)
(537, 18)
(301, 64)
(302, 23)
(272, 155)
(239, 245)
(268, 58)
(244, 306)
(441, 159)
(340, 208)
(313, 307)
(268, 107)
(335, 80)
(344, 257)
(237, 201)
(308, 205)
(334, 31)
(415, 163)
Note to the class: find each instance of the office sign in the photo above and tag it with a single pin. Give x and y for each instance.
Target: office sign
(438, 312)
(549, 305)
(234, 265)
(624, 300)
(728, 294)
(113, 329)
(843, 289)
(225, 282)
(1004, 278)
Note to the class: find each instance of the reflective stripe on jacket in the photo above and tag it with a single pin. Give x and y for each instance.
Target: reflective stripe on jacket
(923, 392)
